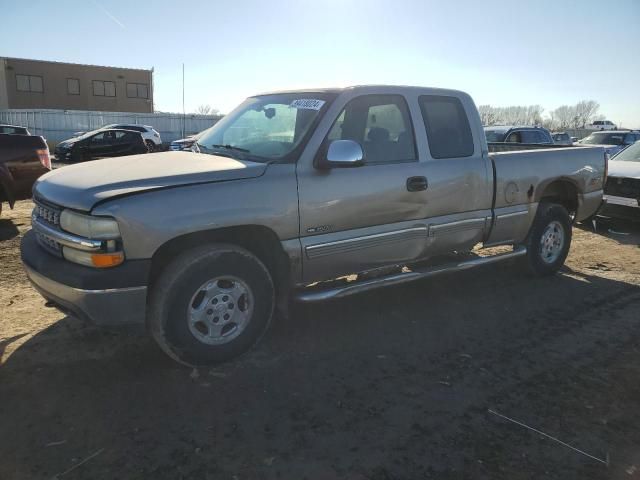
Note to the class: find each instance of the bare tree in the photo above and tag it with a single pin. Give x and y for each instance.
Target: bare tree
(563, 116)
(206, 109)
(585, 110)
(488, 115)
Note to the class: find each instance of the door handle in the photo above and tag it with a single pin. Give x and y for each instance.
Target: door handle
(417, 184)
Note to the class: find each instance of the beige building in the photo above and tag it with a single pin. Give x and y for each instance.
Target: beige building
(69, 86)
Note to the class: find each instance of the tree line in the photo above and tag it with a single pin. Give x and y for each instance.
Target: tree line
(565, 116)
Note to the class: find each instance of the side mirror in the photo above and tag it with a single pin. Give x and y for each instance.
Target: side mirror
(342, 154)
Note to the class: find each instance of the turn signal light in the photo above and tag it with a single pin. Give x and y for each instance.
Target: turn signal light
(105, 260)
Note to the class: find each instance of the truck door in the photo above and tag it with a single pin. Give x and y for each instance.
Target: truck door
(355, 219)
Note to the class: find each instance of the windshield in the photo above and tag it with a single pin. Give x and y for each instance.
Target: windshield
(629, 154)
(603, 138)
(495, 135)
(265, 128)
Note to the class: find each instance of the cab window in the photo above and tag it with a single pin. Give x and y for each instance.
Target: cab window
(447, 125)
(381, 124)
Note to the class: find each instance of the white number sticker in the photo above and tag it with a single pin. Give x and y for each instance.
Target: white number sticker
(307, 103)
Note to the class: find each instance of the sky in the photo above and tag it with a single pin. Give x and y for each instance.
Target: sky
(547, 52)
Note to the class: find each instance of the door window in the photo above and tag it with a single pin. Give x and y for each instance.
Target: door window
(381, 124)
(447, 126)
(98, 139)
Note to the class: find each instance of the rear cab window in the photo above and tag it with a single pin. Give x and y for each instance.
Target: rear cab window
(448, 130)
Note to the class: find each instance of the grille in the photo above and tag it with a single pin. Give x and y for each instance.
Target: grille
(47, 212)
(44, 211)
(623, 187)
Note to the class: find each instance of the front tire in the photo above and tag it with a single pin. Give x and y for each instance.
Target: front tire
(549, 239)
(211, 304)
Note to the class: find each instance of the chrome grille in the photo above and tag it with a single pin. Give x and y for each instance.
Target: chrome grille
(46, 212)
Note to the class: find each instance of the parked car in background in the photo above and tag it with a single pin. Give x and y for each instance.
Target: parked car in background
(562, 138)
(290, 190)
(23, 159)
(601, 125)
(622, 190)
(185, 144)
(111, 142)
(515, 134)
(150, 135)
(14, 130)
(612, 141)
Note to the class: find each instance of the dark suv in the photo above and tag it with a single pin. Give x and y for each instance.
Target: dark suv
(102, 143)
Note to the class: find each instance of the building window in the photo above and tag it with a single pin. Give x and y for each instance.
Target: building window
(73, 86)
(137, 90)
(104, 89)
(29, 83)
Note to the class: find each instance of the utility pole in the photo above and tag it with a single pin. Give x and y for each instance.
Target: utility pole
(183, 111)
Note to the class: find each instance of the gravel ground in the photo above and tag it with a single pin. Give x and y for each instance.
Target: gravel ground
(393, 384)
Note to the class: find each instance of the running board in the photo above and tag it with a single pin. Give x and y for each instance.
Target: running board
(311, 294)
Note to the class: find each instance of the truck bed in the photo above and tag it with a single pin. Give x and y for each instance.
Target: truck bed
(522, 177)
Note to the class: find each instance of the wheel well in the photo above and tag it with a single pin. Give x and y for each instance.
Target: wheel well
(562, 192)
(259, 240)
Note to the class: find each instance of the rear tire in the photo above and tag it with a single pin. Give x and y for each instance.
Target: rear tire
(211, 304)
(549, 239)
(151, 147)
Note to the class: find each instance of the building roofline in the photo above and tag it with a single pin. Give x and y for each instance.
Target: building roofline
(76, 64)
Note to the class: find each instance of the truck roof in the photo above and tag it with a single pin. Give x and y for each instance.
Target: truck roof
(366, 89)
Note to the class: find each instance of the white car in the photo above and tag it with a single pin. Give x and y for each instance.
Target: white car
(602, 125)
(612, 141)
(622, 190)
(150, 135)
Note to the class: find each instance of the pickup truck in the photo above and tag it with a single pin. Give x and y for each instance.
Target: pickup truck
(23, 158)
(285, 196)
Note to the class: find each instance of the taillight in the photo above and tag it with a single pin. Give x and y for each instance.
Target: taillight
(45, 158)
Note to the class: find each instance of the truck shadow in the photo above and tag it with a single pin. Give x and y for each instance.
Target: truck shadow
(8, 229)
(625, 232)
(356, 372)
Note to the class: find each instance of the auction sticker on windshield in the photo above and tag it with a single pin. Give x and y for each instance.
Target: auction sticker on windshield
(307, 103)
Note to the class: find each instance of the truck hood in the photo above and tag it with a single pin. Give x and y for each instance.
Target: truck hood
(83, 185)
(624, 169)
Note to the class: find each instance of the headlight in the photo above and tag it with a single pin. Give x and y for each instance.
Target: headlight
(98, 228)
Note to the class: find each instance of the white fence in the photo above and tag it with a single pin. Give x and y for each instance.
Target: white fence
(58, 125)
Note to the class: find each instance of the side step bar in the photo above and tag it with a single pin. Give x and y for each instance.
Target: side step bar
(315, 295)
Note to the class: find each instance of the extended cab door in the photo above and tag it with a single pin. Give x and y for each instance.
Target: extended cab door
(403, 204)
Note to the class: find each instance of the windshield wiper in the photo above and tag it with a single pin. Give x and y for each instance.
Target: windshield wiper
(232, 147)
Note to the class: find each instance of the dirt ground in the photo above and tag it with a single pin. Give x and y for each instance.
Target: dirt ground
(394, 384)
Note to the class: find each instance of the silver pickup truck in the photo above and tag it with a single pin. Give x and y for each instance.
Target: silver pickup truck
(285, 196)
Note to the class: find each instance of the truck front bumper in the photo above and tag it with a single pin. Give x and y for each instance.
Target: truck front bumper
(114, 296)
